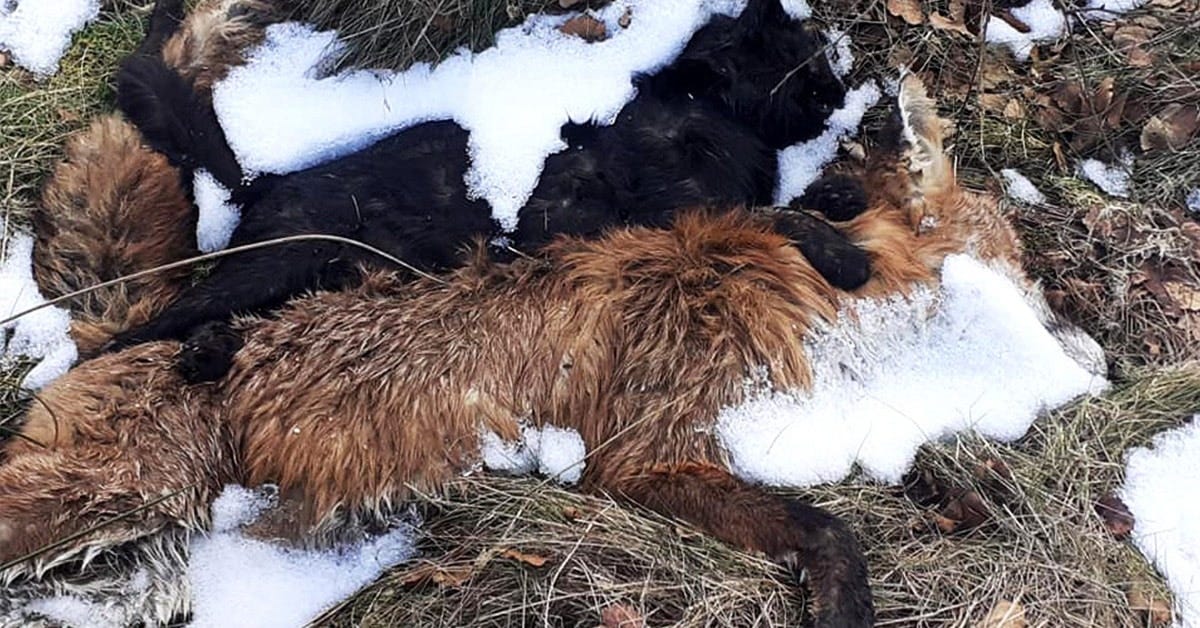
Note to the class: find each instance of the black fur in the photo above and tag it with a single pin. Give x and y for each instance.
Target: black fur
(687, 140)
(840, 197)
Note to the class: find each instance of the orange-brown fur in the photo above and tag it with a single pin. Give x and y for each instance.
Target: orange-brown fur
(351, 400)
(112, 207)
(213, 39)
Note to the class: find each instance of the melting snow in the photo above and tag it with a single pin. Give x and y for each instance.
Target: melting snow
(238, 581)
(1193, 201)
(218, 217)
(1112, 179)
(42, 335)
(38, 32)
(1021, 188)
(902, 376)
(551, 451)
(801, 164)
(1160, 491)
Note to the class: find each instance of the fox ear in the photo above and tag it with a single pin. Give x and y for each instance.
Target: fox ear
(923, 132)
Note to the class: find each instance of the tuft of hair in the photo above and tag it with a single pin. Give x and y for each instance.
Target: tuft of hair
(214, 38)
(111, 208)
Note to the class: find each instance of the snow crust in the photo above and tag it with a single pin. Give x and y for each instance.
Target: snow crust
(218, 216)
(38, 32)
(893, 374)
(1160, 491)
(1019, 187)
(552, 451)
(42, 335)
(1113, 179)
(1193, 201)
(1047, 23)
(239, 581)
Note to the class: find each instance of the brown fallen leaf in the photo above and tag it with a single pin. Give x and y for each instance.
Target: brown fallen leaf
(1014, 110)
(1131, 39)
(991, 468)
(965, 509)
(1153, 608)
(535, 560)
(451, 576)
(1115, 515)
(1171, 128)
(621, 616)
(1186, 296)
(1004, 614)
(585, 27)
(955, 21)
(907, 10)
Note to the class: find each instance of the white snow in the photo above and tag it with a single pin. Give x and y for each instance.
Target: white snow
(513, 97)
(1160, 491)
(972, 356)
(1021, 188)
(239, 581)
(42, 335)
(76, 612)
(1046, 23)
(797, 9)
(552, 451)
(218, 217)
(839, 52)
(38, 32)
(801, 164)
(1193, 201)
(1113, 179)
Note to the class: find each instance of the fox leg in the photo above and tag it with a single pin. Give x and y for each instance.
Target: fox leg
(800, 536)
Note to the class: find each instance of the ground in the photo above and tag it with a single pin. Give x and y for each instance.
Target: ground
(980, 524)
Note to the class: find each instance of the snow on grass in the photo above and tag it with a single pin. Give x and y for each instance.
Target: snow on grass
(839, 52)
(802, 163)
(1193, 201)
(42, 335)
(1113, 179)
(970, 356)
(239, 581)
(1160, 491)
(1021, 188)
(76, 612)
(513, 97)
(218, 217)
(552, 451)
(38, 32)
(1047, 23)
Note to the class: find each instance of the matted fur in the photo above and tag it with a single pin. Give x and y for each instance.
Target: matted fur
(112, 207)
(349, 401)
(214, 37)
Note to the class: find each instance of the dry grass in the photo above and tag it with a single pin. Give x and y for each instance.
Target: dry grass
(1042, 545)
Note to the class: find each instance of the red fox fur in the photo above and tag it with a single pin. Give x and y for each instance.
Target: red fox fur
(349, 401)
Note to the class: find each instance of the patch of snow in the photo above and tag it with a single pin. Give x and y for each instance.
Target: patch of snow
(1113, 179)
(218, 217)
(1108, 9)
(894, 374)
(1160, 491)
(513, 97)
(802, 163)
(1193, 201)
(552, 451)
(239, 581)
(38, 32)
(797, 9)
(41, 335)
(76, 612)
(1046, 23)
(839, 52)
(1021, 188)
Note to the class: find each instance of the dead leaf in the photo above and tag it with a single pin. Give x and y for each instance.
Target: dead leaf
(956, 21)
(621, 616)
(907, 10)
(585, 27)
(535, 560)
(965, 508)
(994, 103)
(66, 115)
(1186, 297)
(1116, 516)
(1007, 17)
(1004, 614)
(1170, 128)
(992, 468)
(1130, 39)
(571, 512)
(1014, 110)
(1154, 608)
(448, 576)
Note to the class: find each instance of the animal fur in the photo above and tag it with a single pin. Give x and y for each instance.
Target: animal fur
(701, 135)
(112, 207)
(351, 400)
